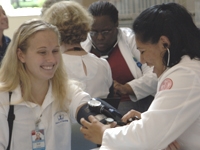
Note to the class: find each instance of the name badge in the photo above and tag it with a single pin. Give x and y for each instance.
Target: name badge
(38, 139)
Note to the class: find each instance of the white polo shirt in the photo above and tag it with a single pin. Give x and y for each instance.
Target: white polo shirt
(56, 123)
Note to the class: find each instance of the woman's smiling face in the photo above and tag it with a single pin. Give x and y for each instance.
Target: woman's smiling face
(42, 56)
(152, 55)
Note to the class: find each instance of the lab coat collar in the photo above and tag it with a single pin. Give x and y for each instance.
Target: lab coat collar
(16, 98)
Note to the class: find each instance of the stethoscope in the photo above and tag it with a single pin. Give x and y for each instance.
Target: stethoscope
(104, 55)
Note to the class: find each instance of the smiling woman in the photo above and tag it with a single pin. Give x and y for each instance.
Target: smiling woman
(169, 40)
(44, 47)
(33, 71)
(148, 54)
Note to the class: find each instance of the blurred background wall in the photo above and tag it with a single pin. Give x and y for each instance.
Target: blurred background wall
(128, 11)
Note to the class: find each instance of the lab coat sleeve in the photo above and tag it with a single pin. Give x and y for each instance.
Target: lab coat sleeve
(78, 98)
(171, 113)
(4, 131)
(145, 82)
(144, 86)
(110, 79)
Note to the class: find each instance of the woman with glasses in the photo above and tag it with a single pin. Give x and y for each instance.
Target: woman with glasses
(168, 39)
(117, 45)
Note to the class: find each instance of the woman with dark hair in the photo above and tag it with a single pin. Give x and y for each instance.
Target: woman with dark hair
(134, 81)
(167, 39)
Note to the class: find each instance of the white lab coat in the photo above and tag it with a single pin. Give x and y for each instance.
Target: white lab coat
(57, 131)
(145, 82)
(173, 115)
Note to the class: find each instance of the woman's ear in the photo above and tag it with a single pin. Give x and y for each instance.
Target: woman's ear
(20, 55)
(165, 41)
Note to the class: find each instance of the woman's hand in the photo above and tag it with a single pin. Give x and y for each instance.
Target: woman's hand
(122, 89)
(131, 114)
(173, 146)
(94, 129)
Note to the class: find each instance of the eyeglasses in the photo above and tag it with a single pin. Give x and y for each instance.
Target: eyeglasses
(103, 33)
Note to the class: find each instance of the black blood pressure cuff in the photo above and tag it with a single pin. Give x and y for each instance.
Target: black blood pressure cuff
(100, 109)
(84, 112)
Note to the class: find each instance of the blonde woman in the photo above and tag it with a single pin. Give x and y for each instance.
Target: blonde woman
(32, 70)
(74, 22)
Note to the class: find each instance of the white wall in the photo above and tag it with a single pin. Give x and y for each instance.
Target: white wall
(15, 22)
(17, 17)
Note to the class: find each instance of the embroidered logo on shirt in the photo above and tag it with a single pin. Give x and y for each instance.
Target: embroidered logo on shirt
(166, 84)
(61, 117)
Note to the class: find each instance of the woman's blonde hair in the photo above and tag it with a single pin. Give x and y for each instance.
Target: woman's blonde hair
(13, 73)
(72, 20)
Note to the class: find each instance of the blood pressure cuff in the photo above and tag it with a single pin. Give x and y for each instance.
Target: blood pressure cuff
(105, 111)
